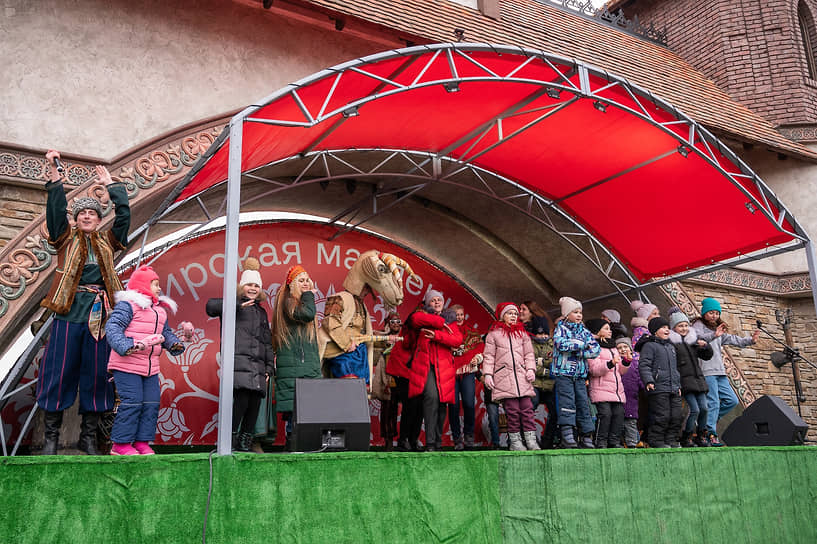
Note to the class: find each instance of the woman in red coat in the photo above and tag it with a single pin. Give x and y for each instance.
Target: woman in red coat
(432, 372)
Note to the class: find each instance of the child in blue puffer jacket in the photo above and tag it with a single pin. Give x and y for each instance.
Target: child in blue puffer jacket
(573, 346)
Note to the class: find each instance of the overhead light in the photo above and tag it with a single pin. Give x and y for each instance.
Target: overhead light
(599, 105)
(452, 86)
(683, 150)
(553, 93)
(351, 112)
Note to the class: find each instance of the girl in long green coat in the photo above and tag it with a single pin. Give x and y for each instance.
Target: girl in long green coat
(294, 339)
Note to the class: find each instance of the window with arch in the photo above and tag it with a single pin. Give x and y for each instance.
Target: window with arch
(808, 32)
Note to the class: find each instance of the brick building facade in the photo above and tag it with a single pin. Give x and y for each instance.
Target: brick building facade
(761, 53)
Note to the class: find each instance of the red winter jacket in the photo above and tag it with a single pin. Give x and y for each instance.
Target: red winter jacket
(436, 351)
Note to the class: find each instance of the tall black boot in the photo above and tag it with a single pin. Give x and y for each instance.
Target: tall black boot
(87, 433)
(53, 422)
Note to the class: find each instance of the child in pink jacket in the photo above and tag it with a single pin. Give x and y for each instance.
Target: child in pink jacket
(509, 369)
(606, 387)
(137, 330)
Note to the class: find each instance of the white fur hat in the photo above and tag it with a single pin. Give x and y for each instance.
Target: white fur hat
(568, 304)
(251, 274)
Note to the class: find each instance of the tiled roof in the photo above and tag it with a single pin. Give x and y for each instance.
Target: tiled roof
(536, 25)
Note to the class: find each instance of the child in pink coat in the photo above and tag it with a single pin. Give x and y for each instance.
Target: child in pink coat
(606, 386)
(137, 330)
(509, 369)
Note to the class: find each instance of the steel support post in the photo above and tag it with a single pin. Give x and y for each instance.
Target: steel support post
(225, 394)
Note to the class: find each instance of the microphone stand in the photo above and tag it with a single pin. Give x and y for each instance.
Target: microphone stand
(792, 355)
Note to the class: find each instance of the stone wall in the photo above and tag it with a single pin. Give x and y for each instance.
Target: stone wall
(741, 310)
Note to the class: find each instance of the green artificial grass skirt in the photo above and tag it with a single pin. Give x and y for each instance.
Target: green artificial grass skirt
(691, 495)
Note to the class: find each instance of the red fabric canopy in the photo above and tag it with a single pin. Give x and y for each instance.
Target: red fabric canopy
(609, 155)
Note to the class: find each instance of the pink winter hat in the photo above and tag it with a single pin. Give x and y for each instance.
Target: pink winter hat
(641, 309)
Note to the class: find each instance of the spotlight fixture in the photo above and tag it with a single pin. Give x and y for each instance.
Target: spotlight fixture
(683, 151)
(459, 33)
(750, 207)
(351, 112)
(553, 93)
(599, 105)
(451, 86)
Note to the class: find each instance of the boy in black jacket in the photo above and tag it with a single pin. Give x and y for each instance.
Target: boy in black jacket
(659, 372)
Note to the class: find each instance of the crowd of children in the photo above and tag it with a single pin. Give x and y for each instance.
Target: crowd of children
(429, 369)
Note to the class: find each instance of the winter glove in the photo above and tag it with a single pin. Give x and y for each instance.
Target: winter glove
(530, 375)
(489, 382)
(152, 339)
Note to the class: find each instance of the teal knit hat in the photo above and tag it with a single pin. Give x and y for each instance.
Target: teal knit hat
(709, 304)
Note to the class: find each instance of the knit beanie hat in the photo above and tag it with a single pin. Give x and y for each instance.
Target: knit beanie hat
(86, 203)
(251, 274)
(431, 294)
(709, 304)
(676, 318)
(641, 309)
(595, 325)
(537, 325)
(656, 323)
(141, 279)
(624, 340)
(568, 304)
(503, 308)
(612, 315)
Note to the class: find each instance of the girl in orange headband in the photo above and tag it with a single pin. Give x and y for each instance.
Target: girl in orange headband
(294, 338)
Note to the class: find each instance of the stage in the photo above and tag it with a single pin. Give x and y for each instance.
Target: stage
(713, 495)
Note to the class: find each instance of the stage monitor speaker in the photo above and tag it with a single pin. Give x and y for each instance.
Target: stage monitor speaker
(331, 415)
(768, 421)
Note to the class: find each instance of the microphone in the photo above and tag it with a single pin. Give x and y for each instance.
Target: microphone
(58, 164)
(759, 324)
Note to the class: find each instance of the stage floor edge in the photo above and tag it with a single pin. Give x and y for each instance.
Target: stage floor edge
(714, 495)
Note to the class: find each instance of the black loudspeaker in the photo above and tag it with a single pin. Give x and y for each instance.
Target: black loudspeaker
(768, 421)
(331, 415)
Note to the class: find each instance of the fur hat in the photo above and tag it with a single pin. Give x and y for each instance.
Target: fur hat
(86, 203)
(624, 340)
(641, 309)
(595, 325)
(251, 274)
(656, 323)
(708, 304)
(612, 315)
(449, 315)
(140, 281)
(503, 308)
(676, 318)
(568, 304)
(431, 294)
